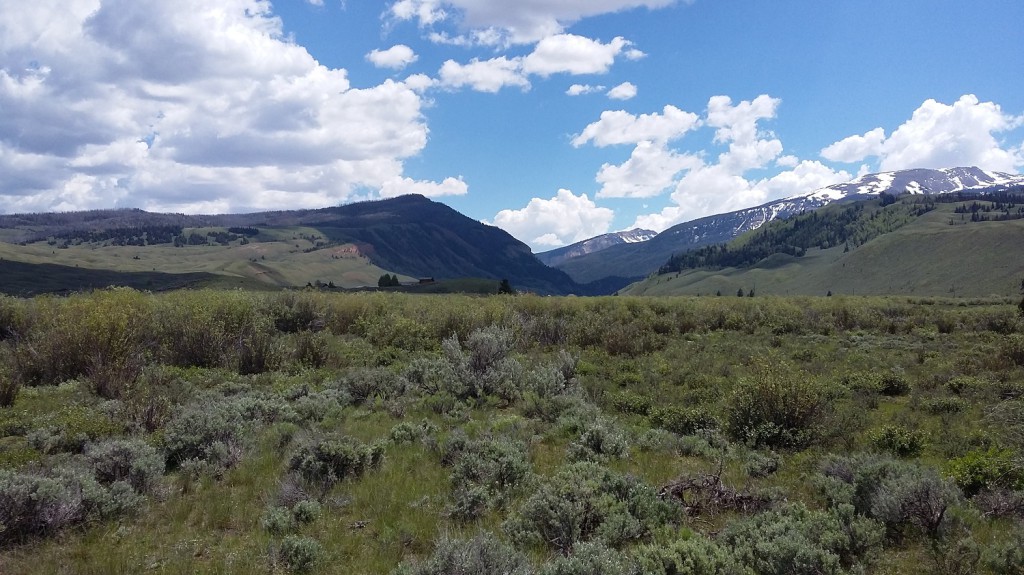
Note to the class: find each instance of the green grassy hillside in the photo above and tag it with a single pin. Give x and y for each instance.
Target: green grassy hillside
(277, 257)
(939, 253)
(348, 246)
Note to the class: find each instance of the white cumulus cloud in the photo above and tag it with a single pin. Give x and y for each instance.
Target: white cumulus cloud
(484, 75)
(624, 91)
(649, 171)
(620, 127)
(700, 187)
(564, 219)
(572, 54)
(187, 105)
(402, 186)
(515, 22)
(855, 148)
(396, 57)
(580, 89)
(939, 135)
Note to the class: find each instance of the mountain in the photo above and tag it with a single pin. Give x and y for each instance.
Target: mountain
(595, 244)
(641, 259)
(954, 244)
(918, 181)
(347, 246)
(414, 236)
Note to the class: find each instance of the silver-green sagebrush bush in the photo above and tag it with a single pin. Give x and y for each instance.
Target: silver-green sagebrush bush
(586, 502)
(484, 553)
(324, 462)
(486, 473)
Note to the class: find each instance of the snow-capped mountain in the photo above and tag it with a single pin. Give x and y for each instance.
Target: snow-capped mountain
(595, 244)
(642, 258)
(919, 181)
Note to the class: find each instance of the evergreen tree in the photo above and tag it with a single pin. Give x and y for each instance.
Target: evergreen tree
(505, 287)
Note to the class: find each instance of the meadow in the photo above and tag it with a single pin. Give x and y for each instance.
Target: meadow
(218, 431)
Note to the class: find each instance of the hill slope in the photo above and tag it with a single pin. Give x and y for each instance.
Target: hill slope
(908, 250)
(347, 246)
(640, 259)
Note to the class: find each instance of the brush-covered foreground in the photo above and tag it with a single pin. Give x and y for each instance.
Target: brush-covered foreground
(233, 432)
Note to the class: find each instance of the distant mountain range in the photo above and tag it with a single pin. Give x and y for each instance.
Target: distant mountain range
(412, 236)
(637, 260)
(409, 235)
(595, 244)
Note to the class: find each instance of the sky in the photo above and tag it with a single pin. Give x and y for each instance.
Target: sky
(556, 120)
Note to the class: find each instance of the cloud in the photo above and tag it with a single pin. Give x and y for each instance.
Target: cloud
(484, 75)
(396, 57)
(939, 135)
(572, 54)
(699, 187)
(563, 53)
(855, 148)
(184, 105)
(563, 219)
(620, 127)
(580, 89)
(402, 186)
(514, 22)
(649, 171)
(624, 91)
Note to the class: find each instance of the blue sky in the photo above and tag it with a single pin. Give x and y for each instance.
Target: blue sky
(555, 119)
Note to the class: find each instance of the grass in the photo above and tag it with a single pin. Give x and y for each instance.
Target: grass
(277, 257)
(699, 351)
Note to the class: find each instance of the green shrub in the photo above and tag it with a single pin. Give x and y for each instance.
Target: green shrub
(484, 553)
(209, 432)
(1013, 348)
(778, 407)
(484, 367)
(944, 405)
(368, 384)
(681, 420)
(277, 521)
(916, 498)
(591, 558)
(297, 311)
(1006, 557)
(325, 462)
(264, 408)
(587, 502)
(70, 429)
(311, 348)
(798, 541)
(306, 511)
(130, 460)
(486, 473)
(904, 496)
(893, 383)
(760, 464)
(409, 432)
(626, 401)
(300, 554)
(10, 385)
(599, 441)
(986, 469)
(898, 440)
(691, 556)
(315, 406)
(33, 505)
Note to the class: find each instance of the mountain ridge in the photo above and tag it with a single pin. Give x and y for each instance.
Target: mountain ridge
(641, 259)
